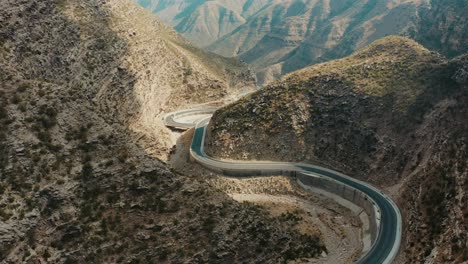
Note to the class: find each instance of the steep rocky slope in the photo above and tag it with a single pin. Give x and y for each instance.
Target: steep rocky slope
(393, 113)
(169, 74)
(82, 82)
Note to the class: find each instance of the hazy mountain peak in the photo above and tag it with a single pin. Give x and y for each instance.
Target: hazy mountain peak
(278, 37)
(204, 22)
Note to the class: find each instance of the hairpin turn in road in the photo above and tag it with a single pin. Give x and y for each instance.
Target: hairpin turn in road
(387, 215)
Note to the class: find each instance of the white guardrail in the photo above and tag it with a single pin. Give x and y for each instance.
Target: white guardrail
(386, 238)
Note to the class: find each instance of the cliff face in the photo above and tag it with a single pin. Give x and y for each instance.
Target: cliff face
(82, 85)
(393, 113)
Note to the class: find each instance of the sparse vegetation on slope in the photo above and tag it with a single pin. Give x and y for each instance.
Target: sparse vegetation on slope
(290, 35)
(393, 113)
(81, 84)
(277, 37)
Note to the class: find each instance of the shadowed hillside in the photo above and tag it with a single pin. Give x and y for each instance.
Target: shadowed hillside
(82, 86)
(393, 113)
(444, 27)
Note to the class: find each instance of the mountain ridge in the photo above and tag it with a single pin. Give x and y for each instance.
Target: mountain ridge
(82, 177)
(320, 32)
(392, 113)
(283, 36)
(196, 20)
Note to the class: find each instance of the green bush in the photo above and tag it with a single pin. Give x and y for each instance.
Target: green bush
(3, 112)
(23, 87)
(87, 171)
(15, 99)
(209, 224)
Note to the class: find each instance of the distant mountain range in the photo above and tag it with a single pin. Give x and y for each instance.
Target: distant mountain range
(203, 21)
(277, 36)
(84, 170)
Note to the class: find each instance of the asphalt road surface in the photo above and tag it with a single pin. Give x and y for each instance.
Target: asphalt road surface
(387, 243)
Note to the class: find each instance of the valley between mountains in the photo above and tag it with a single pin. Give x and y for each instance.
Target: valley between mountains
(277, 37)
(89, 173)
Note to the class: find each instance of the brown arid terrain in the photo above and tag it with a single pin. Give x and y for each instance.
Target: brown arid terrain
(168, 73)
(163, 71)
(83, 84)
(340, 228)
(393, 114)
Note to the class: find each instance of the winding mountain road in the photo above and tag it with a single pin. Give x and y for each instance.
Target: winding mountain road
(387, 215)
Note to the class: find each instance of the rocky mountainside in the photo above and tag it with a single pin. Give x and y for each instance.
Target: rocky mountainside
(290, 35)
(443, 26)
(283, 36)
(393, 113)
(83, 84)
(202, 21)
